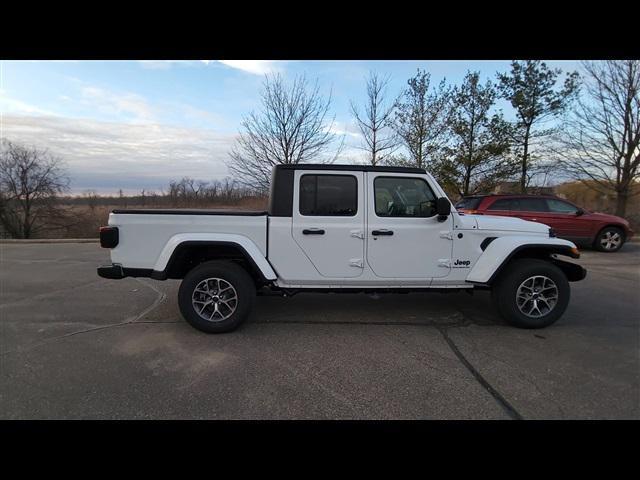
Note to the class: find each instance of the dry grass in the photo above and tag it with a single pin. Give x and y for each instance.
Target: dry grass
(84, 221)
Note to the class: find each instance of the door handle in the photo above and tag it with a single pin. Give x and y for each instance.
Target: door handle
(382, 232)
(313, 231)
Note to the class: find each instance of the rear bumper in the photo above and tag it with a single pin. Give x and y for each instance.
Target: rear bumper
(111, 271)
(116, 272)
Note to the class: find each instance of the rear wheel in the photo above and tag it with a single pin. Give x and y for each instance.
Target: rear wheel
(216, 297)
(532, 293)
(610, 239)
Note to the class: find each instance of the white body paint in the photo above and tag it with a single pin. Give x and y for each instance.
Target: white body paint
(423, 252)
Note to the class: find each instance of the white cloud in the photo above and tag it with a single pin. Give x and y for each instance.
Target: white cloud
(107, 156)
(156, 64)
(167, 64)
(118, 103)
(343, 128)
(12, 105)
(257, 67)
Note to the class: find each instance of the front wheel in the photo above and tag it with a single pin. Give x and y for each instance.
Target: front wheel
(532, 293)
(216, 296)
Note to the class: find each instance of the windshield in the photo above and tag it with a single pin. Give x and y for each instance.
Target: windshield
(469, 203)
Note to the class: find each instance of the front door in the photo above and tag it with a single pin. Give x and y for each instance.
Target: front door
(562, 216)
(404, 237)
(328, 221)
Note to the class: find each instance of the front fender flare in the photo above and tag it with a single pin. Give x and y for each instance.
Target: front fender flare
(244, 243)
(502, 249)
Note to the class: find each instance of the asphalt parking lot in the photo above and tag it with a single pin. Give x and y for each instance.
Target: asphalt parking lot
(73, 345)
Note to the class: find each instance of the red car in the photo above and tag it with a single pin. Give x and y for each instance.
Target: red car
(606, 233)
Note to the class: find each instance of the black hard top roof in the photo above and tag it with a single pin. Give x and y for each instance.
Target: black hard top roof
(342, 167)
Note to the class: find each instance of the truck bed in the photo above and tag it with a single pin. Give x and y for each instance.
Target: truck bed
(187, 211)
(144, 233)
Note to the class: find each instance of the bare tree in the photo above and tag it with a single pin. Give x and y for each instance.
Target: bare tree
(421, 118)
(193, 188)
(375, 124)
(477, 158)
(291, 127)
(530, 87)
(602, 138)
(30, 180)
(91, 197)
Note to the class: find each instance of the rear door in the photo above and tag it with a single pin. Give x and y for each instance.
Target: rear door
(404, 237)
(328, 221)
(533, 209)
(566, 222)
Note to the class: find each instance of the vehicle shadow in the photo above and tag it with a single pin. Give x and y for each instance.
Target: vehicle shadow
(426, 309)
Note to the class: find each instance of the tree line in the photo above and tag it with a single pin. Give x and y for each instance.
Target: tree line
(584, 126)
(34, 193)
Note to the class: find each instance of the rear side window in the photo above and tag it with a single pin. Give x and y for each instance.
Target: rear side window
(328, 195)
(501, 204)
(530, 205)
(469, 203)
(558, 206)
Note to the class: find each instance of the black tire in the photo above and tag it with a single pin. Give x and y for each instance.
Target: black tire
(613, 232)
(229, 272)
(515, 274)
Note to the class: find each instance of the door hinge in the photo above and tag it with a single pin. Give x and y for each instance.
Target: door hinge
(357, 234)
(446, 234)
(444, 262)
(356, 262)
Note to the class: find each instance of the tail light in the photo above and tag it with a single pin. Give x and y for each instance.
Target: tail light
(109, 237)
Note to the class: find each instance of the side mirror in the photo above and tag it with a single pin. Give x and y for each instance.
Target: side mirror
(443, 208)
(579, 212)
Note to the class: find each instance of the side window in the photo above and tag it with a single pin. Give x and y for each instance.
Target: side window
(501, 204)
(328, 195)
(558, 206)
(403, 197)
(532, 205)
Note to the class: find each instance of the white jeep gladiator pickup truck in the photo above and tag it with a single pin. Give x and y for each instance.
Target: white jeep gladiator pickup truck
(342, 228)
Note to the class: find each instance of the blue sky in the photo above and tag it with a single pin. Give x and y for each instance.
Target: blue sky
(138, 124)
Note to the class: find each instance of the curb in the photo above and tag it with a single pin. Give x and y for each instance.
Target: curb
(22, 241)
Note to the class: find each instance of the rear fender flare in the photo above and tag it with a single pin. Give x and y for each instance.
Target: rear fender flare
(245, 244)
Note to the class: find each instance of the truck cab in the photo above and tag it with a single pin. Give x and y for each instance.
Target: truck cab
(358, 227)
(337, 227)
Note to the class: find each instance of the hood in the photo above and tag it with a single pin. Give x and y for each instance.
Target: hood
(604, 217)
(490, 222)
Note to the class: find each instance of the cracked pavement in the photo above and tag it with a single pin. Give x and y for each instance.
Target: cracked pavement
(75, 346)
